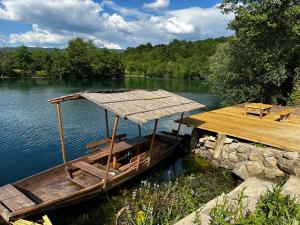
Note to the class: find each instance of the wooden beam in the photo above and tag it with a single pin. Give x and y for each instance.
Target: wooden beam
(140, 131)
(218, 149)
(152, 141)
(106, 123)
(179, 126)
(62, 139)
(111, 149)
(138, 157)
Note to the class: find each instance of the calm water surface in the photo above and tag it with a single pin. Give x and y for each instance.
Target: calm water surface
(29, 138)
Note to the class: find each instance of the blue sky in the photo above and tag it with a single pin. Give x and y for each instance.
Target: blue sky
(109, 23)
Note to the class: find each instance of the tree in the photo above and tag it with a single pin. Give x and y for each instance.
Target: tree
(6, 61)
(23, 61)
(79, 56)
(262, 60)
(59, 64)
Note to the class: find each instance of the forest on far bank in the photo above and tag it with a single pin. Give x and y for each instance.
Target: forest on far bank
(260, 63)
(82, 60)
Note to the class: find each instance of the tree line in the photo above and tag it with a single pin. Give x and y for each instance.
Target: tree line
(80, 60)
(178, 59)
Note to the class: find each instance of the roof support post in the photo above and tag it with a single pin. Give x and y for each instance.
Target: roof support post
(140, 131)
(111, 148)
(179, 126)
(62, 139)
(152, 142)
(106, 123)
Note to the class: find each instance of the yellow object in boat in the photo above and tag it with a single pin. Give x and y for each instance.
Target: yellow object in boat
(45, 221)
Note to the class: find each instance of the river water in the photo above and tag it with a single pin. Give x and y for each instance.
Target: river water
(29, 137)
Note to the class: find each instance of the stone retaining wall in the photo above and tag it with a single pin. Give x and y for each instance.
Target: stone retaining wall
(249, 160)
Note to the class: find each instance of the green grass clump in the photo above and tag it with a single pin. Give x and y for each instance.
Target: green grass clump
(273, 208)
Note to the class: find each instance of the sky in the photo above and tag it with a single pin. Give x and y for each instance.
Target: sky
(114, 24)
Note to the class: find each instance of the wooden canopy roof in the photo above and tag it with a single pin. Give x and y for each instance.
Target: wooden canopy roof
(139, 106)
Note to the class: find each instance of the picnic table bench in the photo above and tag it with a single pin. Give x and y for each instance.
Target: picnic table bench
(285, 114)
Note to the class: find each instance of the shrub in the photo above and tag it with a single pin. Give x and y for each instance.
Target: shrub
(273, 208)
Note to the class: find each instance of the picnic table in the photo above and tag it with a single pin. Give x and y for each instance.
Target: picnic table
(258, 108)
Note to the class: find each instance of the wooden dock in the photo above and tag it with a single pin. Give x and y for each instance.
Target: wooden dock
(231, 121)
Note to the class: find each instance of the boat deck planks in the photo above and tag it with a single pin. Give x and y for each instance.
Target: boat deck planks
(232, 122)
(13, 199)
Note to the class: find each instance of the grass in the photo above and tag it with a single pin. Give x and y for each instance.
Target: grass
(273, 208)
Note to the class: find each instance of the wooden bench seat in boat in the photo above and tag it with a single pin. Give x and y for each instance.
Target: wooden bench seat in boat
(12, 200)
(93, 170)
(94, 145)
(118, 147)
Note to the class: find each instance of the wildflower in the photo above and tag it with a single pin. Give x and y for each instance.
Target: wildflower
(141, 217)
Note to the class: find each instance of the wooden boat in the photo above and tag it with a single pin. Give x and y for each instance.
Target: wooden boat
(111, 161)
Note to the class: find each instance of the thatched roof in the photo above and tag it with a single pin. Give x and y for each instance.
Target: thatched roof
(139, 106)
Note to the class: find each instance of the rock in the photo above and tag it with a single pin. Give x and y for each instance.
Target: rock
(209, 144)
(205, 154)
(270, 162)
(224, 155)
(277, 153)
(211, 138)
(243, 148)
(227, 164)
(228, 140)
(286, 165)
(267, 153)
(253, 188)
(242, 156)
(296, 167)
(241, 171)
(273, 173)
(254, 167)
(291, 155)
(232, 157)
(292, 187)
(255, 155)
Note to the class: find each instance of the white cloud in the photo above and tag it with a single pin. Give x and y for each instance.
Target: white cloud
(112, 46)
(173, 25)
(55, 22)
(158, 4)
(75, 15)
(37, 37)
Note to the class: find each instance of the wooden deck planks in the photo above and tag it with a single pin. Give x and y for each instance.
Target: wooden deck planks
(12, 200)
(230, 121)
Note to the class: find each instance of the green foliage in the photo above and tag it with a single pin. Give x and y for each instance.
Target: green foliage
(273, 208)
(169, 202)
(178, 59)
(80, 60)
(6, 61)
(261, 61)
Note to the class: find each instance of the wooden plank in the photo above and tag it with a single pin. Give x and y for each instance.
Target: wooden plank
(286, 111)
(8, 191)
(18, 203)
(4, 212)
(230, 121)
(97, 172)
(258, 106)
(105, 141)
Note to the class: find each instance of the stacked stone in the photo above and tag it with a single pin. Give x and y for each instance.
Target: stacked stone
(247, 160)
